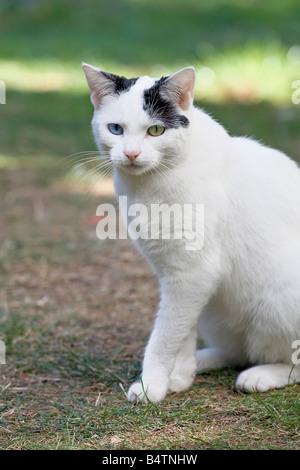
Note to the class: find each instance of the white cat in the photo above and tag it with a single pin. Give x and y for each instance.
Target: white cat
(242, 289)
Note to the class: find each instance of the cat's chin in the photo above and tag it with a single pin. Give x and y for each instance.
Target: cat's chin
(135, 170)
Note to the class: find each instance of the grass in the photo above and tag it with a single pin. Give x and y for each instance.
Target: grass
(73, 343)
(76, 312)
(245, 54)
(84, 416)
(75, 404)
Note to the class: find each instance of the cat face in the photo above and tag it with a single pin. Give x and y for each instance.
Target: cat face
(140, 124)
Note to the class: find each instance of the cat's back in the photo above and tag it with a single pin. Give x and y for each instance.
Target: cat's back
(264, 175)
(264, 193)
(262, 159)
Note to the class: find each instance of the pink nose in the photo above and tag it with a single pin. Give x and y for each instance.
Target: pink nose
(132, 155)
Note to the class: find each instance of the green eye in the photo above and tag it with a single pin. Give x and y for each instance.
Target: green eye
(156, 130)
(115, 129)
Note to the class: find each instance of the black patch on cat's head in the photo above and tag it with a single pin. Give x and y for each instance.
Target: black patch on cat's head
(120, 83)
(161, 108)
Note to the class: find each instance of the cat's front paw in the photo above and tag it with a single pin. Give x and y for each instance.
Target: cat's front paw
(179, 383)
(140, 392)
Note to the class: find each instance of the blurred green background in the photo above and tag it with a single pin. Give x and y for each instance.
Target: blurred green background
(246, 54)
(69, 301)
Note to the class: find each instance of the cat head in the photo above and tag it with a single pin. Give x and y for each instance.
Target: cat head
(141, 124)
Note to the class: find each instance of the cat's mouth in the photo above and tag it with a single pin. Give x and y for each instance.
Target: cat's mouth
(134, 167)
(133, 164)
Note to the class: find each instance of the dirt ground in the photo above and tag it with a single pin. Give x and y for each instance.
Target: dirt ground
(55, 268)
(75, 314)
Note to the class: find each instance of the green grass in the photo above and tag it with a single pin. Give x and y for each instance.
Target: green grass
(69, 320)
(142, 32)
(74, 399)
(75, 313)
(243, 53)
(79, 413)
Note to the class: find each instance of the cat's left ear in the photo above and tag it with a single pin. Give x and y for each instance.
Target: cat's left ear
(179, 87)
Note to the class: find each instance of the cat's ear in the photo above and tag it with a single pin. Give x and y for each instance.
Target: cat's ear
(179, 87)
(99, 83)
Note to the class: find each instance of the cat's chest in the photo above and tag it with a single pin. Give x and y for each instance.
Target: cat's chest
(163, 229)
(154, 219)
(150, 192)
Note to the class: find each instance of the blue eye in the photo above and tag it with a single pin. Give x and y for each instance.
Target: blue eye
(115, 129)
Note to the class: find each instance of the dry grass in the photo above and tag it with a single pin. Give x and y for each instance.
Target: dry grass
(75, 316)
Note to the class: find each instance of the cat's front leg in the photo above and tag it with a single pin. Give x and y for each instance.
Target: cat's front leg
(176, 320)
(158, 360)
(183, 374)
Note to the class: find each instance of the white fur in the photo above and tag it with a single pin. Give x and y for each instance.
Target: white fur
(243, 287)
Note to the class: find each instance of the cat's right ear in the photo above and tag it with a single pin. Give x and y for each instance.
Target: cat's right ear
(99, 83)
(179, 87)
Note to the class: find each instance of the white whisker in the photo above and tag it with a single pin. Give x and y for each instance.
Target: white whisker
(87, 161)
(79, 154)
(96, 176)
(95, 170)
(162, 169)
